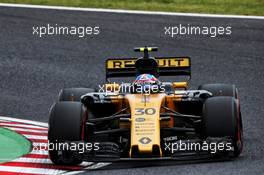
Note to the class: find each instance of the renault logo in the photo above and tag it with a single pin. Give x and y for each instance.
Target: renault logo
(145, 140)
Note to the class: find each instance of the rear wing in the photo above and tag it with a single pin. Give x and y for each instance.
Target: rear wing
(167, 66)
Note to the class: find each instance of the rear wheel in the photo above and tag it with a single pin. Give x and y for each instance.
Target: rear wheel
(66, 123)
(222, 118)
(73, 94)
(220, 89)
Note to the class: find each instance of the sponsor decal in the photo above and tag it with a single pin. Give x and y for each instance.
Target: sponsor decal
(145, 140)
(140, 119)
(162, 62)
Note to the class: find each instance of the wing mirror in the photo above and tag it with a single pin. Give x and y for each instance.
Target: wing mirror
(180, 85)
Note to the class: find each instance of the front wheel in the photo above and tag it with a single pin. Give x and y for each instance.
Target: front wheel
(66, 123)
(222, 118)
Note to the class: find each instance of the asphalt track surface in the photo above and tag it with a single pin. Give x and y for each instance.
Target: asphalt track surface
(33, 70)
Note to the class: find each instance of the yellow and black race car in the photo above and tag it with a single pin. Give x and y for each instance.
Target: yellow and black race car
(145, 119)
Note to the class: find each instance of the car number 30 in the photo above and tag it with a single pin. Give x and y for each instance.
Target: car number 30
(145, 111)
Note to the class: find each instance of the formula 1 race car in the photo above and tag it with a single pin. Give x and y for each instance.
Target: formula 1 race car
(145, 119)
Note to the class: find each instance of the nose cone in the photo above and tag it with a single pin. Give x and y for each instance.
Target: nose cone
(145, 124)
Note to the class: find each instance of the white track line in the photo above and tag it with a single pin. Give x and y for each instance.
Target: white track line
(43, 161)
(97, 165)
(30, 170)
(22, 125)
(86, 163)
(129, 11)
(32, 160)
(40, 144)
(35, 137)
(22, 120)
(39, 152)
(21, 129)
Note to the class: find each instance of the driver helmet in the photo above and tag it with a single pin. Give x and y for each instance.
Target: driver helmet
(146, 79)
(146, 82)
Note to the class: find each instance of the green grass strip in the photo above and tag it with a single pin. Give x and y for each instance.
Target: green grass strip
(238, 7)
(12, 145)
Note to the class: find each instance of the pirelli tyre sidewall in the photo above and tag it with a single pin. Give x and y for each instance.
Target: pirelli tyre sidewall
(73, 94)
(66, 123)
(222, 118)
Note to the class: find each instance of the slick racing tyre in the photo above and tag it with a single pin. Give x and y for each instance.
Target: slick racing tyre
(66, 123)
(73, 94)
(220, 89)
(221, 118)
